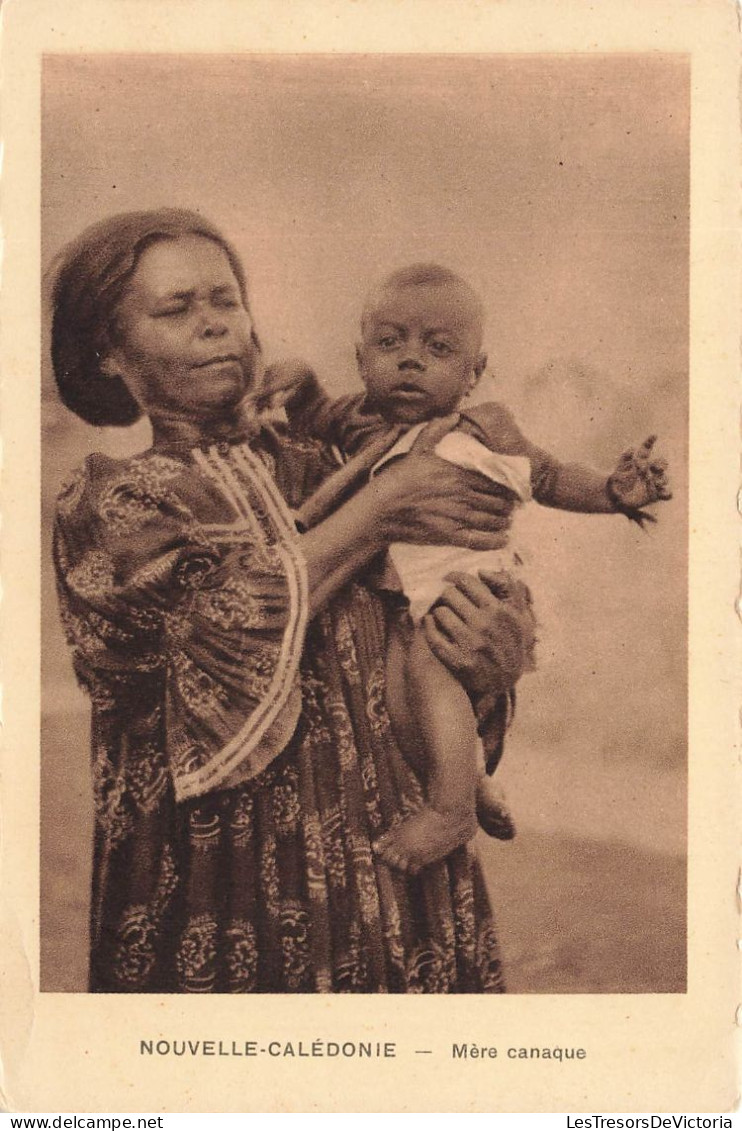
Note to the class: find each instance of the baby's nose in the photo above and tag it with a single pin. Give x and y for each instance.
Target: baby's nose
(411, 359)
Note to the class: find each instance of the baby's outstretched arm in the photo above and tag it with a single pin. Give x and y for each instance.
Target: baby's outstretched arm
(639, 479)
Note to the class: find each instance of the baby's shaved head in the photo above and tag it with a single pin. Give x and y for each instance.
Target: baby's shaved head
(428, 276)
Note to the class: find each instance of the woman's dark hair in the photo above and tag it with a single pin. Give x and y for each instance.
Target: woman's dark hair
(89, 283)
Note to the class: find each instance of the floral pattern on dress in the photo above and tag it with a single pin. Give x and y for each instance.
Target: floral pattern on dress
(270, 885)
(200, 691)
(376, 711)
(342, 732)
(204, 829)
(232, 605)
(93, 575)
(488, 959)
(72, 493)
(269, 878)
(430, 970)
(242, 821)
(286, 805)
(314, 852)
(333, 848)
(294, 924)
(241, 956)
(351, 969)
(136, 951)
(346, 649)
(196, 957)
(147, 778)
(133, 499)
(111, 796)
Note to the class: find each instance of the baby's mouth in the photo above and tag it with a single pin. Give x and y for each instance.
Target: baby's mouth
(407, 391)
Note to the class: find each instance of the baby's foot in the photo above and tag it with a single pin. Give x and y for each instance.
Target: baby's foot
(493, 812)
(424, 838)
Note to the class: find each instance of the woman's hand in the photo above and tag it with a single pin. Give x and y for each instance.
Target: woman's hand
(423, 499)
(483, 629)
(418, 498)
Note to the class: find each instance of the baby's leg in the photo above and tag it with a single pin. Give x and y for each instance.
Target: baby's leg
(436, 726)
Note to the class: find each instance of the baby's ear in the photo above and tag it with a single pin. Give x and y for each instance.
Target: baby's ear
(478, 369)
(359, 361)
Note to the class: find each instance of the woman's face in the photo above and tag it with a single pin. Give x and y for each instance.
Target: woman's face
(183, 338)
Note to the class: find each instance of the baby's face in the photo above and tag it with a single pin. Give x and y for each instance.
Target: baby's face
(420, 351)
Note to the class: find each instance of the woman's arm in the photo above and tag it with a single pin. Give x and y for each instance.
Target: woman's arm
(419, 499)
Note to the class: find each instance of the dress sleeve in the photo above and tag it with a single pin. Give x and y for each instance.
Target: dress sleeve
(170, 587)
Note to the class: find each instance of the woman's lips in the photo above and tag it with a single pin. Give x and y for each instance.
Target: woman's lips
(221, 359)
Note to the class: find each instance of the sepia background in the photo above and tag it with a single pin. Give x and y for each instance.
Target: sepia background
(559, 186)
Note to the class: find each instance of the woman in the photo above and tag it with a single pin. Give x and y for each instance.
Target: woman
(243, 760)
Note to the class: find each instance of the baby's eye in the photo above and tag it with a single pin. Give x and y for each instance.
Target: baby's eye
(226, 302)
(387, 342)
(441, 349)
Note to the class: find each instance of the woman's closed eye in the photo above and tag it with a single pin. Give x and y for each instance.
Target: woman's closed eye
(174, 306)
(226, 302)
(184, 306)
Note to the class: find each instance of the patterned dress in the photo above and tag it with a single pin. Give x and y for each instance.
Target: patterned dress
(243, 761)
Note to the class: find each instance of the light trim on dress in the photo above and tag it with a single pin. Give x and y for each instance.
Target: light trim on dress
(282, 689)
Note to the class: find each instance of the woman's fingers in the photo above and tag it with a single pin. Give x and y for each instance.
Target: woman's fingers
(441, 647)
(491, 532)
(441, 504)
(450, 623)
(458, 603)
(466, 587)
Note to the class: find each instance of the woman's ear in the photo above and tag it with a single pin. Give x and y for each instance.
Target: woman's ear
(110, 365)
(113, 367)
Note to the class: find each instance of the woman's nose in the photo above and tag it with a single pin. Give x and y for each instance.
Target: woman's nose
(212, 324)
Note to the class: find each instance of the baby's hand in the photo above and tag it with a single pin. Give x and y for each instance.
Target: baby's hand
(640, 478)
(282, 381)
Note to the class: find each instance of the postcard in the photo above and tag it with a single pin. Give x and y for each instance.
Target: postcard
(423, 774)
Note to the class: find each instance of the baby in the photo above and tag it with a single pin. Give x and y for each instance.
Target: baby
(419, 356)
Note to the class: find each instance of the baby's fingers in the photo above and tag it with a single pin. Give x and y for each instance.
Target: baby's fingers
(643, 455)
(658, 480)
